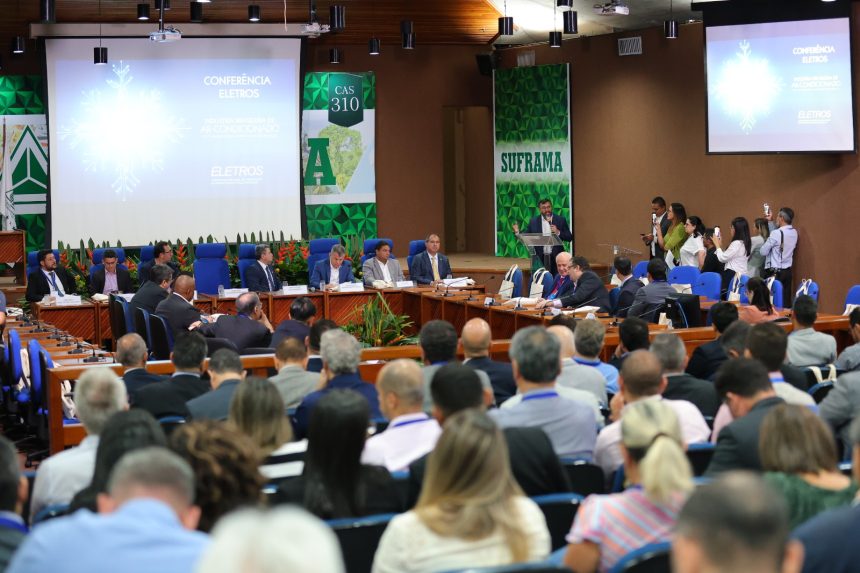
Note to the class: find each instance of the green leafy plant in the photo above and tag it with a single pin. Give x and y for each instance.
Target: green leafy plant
(375, 324)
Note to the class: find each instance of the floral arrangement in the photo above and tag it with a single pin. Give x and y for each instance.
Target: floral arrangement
(375, 324)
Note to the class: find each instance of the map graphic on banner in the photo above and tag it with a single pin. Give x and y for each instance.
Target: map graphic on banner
(532, 149)
(338, 146)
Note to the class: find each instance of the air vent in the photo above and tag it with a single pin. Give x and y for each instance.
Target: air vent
(630, 46)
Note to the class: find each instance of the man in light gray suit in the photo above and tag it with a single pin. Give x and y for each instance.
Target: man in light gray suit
(649, 298)
(292, 380)
(382, 267)
(438, 341)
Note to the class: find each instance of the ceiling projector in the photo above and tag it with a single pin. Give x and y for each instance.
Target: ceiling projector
(612, 9)
(314, 29)
(168, 34)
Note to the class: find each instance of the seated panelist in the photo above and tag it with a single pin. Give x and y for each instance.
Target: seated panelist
(431, 266)
(333, 271)
(49, 279)
(261, 277)
(382, 267)
(111, 277)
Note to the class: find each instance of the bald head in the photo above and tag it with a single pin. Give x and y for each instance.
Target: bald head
(184, 286)
(131, 351)
(641, 375)
(476, 338)
(565, 338)
(401, 388)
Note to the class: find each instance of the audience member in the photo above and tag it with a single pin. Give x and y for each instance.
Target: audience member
(13, 495)
(651, 298)
(330, 273)
(143, 524)
(744, 386)
(471, 512)
(225, 468)
(839, 408)
(779, 251)
(708, 357)
(734, 339)
(162, 255)
(261, 277)
(438, 341)
(562, 282)
(430, 266)
(632, 335)
(50, 278)
(152, 292)
(574, 376)
(382, 267)
(737, 523)
(131, 352)
(178, 309)
(642, 380)
(318, 328)
(759, 309)
(248, 328)
(292, 380)
(675, 236)
(476, 338)
(693, 251)
(334, 482)
(168, 398)
(767, 343)
(298, 326)
(111, 277)
(807, 346)
(849, 359)
(341, 353)
(607, 527)
(658, 219)
(760, 233)
(569, 424)
(588, 289)
(672, 354)
(588, 339)
(627, 286)
(798, 453)
(712, 264)
(282, 539)
(225, 374)
(736, 255)
(99, 394)
(411, 433)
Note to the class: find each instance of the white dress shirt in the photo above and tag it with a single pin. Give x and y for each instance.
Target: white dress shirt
(545, 227)
(48, 276)
(406, 439)
(64, 474)
(386, 274)
(735, 257)
(690, 251)
(334, 275)
(654, 233)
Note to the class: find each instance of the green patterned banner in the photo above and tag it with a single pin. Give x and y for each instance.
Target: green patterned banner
(338, 145)
(532, 149)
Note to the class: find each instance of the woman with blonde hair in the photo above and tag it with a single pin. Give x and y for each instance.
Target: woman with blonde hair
(471, 512)
(607, 527)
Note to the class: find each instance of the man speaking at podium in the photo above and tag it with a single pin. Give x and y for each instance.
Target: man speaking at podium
(547, 223)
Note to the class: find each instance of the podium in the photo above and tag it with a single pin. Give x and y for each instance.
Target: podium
(547, 242)
(13, 252)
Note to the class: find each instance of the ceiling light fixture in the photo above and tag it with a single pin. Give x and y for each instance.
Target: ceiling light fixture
(373, 47)
(196, 11)
(166, 4)
(143, 11)
(100, 53)
(670, 26)
(18, 45)
(506, 23)
(571, 22)
(555, 35)
(407, 34)
(334, 56)
(337, 17)
(253, 12)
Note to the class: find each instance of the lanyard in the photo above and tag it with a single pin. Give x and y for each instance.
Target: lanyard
(12, 524)
(410, 422)
(541, 395)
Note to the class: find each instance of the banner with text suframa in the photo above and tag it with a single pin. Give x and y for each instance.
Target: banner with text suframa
(338, 145)
(532, 148)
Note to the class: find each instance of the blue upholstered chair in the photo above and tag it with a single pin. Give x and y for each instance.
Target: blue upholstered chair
(318, 250)
(247, 257)
(709, 285)
(812, 291)
(559, 509)
(743, 289)
(359, 537)
(33, 260)
(651, 557)
(518, 283)
(640, 270)
(147, 253)
(369, 248)
(162, 337)
(141, 326)
(210, 267)
(853, 296)
(684, 275)
(614, 295)
(415, 248)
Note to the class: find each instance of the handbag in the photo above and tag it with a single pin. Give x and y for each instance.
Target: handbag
(735, 293)
(536, 290)
(769, 282)
(506, 291)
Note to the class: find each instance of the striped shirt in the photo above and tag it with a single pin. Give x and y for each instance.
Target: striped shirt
(622, 522)
(285, 462)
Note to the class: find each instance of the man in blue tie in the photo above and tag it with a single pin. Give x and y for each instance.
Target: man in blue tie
(260, 277)
(49, 279)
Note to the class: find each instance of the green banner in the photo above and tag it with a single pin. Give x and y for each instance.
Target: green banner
(338, 146)
(532, 149)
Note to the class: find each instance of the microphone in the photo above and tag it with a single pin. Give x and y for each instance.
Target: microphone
(93, 358)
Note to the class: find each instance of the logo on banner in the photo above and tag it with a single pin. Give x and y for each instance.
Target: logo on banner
(345, 100)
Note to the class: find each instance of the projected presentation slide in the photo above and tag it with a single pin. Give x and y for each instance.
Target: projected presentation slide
(190, 138)
(780, 86)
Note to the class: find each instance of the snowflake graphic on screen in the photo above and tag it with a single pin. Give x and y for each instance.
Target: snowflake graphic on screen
(746, 87)
(122, 131)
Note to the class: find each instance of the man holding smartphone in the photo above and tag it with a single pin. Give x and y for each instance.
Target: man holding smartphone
(658, 217)
(779, 250)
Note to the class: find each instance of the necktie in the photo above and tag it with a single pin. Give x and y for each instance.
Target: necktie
(54, 283)
(435, 266)
(270, 277)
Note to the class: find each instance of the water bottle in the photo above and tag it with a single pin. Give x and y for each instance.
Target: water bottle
(220, 291)
(322, 286)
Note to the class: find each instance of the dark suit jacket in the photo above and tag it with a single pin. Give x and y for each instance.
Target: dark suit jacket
(256, 280)
(314, 365)
(178, 312)
(706, 359)
(169, 398)
(240, 330)
(421, 270)
(626, 296)
(737, 445)
(322, 273)
(536, 226)
(214, 405)
(290, 329)
(138, 378)
(341, 381)
(501, 376)
(148, 297)
(123, 281)
(144, 269)
(38, 286)
(664, 228)
(700, 392)
(589, 291)
(649, 298)
(533, 462)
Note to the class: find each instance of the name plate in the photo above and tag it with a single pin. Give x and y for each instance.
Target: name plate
(351, 287)
(295, 289)
(458, 282)
(68, 300)
(234, 292)
(404, 284)
(489, 301)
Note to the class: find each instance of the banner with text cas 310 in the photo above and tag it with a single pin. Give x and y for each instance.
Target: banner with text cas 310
(532, 149)
(338, 145)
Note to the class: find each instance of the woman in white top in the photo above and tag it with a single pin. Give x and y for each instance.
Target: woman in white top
(471, 512)
(735, 257)
(693, 250)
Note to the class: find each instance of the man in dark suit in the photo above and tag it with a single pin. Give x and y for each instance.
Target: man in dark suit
(302, 312)
(177, 308)
(431, 266)
(49, 279)
(250, 327)
(658, 217)
(652, 296)
(588, 289)
(131, 353)
(535, 465)
(562, 284)
(632, 336)
(152, 292)
(111, 277)
(168, 398)
(261, 277)
(15, 492)
(225, 374)
(707, 358)
(313, 342)
(476, 337)
(333, 271)
(163, 256)
(628, 288)
(547, 223)
(670, 351)
(744, 385)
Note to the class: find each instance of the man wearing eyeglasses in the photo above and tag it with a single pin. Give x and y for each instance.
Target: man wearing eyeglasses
(249, 328)
(163, 254)
(111, 277)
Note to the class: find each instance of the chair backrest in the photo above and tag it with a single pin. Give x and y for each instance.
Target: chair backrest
(415, 247)
(640, 270)
(517, 279)
(141, 326)
(743, 287)
(559, 509)
(709, 285)
(700, 456)
(585, 477)
(820, 391)
(614, 295)
(34, 349)
(98, 255)
(33, 260)
(210, 267)
(776, 290)
(213, 345)
(369, 248)
(853, 296)
(318, 250)
(684, 275)
(247, 257)
(162, 337)
(16, 371)
(547, 281)
(652, 558)
(170, 423)
(811, 290)
(124, 319)
(359, 537)
(147, 253)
